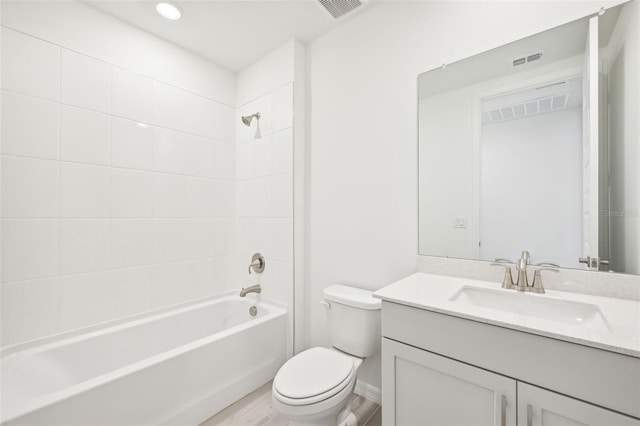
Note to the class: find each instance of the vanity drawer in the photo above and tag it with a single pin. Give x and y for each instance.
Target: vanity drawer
(604, 378)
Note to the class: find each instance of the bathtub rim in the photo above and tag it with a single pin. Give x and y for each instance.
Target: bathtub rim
(41, 344)
(101, 326)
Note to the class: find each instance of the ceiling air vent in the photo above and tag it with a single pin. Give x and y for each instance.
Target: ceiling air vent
(339, 8)
(519, 61)
(526, 109)
(526, 59)
(534, 57)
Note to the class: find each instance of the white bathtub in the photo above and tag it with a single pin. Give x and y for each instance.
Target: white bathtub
(176, 366)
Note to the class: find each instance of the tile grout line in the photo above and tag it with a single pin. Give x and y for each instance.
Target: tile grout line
(122, 117)
(58, 221)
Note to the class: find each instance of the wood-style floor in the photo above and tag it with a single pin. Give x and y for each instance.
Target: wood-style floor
(255, 410)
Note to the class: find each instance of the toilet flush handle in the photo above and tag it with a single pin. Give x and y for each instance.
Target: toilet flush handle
(326, 304)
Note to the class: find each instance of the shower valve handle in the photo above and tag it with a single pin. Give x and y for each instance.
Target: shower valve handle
(257, 263)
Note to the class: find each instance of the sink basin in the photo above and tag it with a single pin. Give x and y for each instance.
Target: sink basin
(531, 305)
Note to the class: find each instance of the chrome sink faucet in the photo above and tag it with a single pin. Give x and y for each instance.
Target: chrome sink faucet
(522, 283)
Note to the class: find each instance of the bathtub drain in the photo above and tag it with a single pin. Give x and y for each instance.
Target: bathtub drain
(253, 311)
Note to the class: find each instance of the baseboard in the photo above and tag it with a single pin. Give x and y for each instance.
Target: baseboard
(368, 391)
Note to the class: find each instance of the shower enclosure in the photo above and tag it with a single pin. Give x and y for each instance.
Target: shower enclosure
(130, 182)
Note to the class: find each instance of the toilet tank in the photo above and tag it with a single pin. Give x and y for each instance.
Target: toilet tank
(354, 320)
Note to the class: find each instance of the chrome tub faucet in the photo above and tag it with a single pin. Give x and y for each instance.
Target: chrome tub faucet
(253, 289)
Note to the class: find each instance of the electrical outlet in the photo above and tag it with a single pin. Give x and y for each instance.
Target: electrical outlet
(460, 222)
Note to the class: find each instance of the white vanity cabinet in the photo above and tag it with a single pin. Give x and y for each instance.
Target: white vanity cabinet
(540, 407)
(428, 389)
(439, 369)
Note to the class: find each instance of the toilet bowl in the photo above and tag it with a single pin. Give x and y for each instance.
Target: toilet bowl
(315, 386)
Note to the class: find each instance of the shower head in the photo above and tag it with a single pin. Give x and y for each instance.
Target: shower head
(247, 118)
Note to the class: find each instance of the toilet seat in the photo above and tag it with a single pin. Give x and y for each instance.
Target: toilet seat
(314, 375)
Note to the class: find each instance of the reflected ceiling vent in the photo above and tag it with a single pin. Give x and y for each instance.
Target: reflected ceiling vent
(527, 59)
(339, 8)
(526, 109)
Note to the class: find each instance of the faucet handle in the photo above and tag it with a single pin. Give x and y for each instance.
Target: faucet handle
(507, 281)
(549, 264)
(257, 263)
(537, 286)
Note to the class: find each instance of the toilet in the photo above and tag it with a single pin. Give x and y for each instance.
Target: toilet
(315, 386)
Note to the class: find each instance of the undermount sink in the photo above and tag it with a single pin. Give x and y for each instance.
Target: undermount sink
(532, 305)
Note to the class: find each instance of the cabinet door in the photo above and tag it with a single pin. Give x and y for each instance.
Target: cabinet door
(421, 388)
(540, 407)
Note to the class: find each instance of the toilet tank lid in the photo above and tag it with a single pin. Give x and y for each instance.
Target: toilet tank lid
(352, 296)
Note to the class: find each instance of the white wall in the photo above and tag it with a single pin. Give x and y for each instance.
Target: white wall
(362, 133)
(117, 195)
(265, 175)
(521, 161)
(622, 62)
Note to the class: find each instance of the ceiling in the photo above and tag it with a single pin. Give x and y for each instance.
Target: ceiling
(562, 42)
(230, 33)
(497, 63)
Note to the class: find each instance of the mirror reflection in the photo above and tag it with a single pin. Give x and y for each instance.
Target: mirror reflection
(534, 146)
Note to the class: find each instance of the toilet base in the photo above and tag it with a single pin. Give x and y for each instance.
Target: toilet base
(345, 417)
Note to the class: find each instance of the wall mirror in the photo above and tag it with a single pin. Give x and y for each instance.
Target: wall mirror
(534, 146)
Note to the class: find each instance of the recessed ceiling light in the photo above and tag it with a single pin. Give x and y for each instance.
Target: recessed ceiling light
(168, 10)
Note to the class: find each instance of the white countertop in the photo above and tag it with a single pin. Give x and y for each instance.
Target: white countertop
(616, 329)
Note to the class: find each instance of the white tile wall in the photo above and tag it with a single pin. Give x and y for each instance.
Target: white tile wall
(132, 288)
(169, 155)
(29, 309)
(282, 152)
(199, 113)
(131, 242)
(170, 196)
(20, 136)
(282, 107)
(29, 249)
(204, 275)
(169, 106)
(132, 95)
(202, 238)
(85, 136)
(85, 299)
(169, 283)
(30, 66)
(84, 245)
(169, 240)
(224, 123)
(201, 156)
(131, 144)
(84, 190)
(85, 82)
(202, 197)
(131, 193)
(225, 161)
(117, 191)
(29, 187)
(264, 193)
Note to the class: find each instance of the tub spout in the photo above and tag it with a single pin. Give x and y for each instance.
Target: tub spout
(253, 289)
